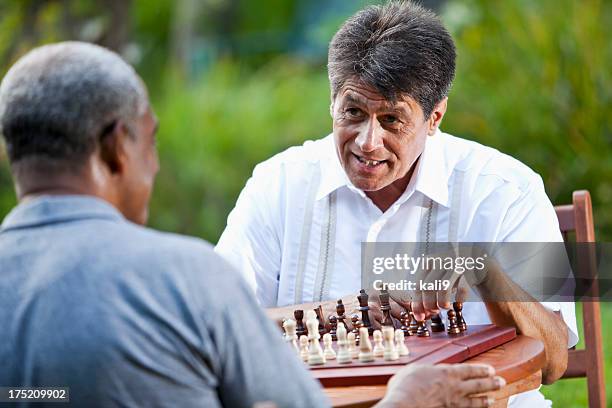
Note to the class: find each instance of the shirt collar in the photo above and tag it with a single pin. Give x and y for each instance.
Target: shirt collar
(430, 177)
(46, 210)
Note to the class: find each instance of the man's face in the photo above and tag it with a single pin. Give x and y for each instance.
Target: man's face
(377, 141)
(142, 165)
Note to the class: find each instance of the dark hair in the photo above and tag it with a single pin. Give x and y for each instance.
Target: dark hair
(58, 99)
(397, 48)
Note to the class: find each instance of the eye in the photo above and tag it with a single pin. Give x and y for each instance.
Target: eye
(389, 119)
(353, 112)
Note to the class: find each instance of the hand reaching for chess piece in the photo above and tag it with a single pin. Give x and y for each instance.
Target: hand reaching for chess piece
(443, 385)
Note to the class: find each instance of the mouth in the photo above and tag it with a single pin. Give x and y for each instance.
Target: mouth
(369, 163)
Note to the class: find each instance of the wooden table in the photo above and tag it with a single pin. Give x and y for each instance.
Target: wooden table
(519, 361)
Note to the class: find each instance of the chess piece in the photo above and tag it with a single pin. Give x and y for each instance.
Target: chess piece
(352, 345)
(343, 355)
(291, 337)
(333, 323)
(356, 326)
(405, 320)
(364, 308)
(378, 344)
(414, 326)
(422, 330)
(453, 326)
(300, 329)
(436, 323)
(402, 350)
(321, 328)
(328, 351)
(365, 347)
(340, 312)
(304, 348)
(390, 352)
(385, 308)
(458, 308)
(315, 353)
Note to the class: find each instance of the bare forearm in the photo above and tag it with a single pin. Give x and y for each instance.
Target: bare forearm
(530, 318)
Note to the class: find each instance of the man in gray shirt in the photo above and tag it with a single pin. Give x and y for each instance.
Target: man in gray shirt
(121, 314)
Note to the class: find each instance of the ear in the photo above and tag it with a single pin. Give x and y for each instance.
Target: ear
(436, 116)
(112, 147)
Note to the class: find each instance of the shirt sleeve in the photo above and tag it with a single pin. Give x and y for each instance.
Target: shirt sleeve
(250, 241)
(532, 218)
(253, 363)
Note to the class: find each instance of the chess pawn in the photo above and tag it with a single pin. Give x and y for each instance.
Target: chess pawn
(328, 351)
(356, 325)
(365, 347)
(402, 350)
(453, 326)
(315, 352)
(352, 345)
(436, 323)
(343, 354)
(458, 308)
(333, 323)
(340, 310)
(304, 348)
(405, 321)
(422, 330)
(379, 350)
(390, 352)
(289, 326)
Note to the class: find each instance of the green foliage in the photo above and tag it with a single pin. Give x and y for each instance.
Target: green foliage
(215, 131)
(534, 80)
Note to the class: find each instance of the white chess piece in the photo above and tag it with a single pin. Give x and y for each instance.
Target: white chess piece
(365, 347)
(401, 345)
(390, 352)
(328, 351)
(378, 344)
(352, 345)
(343, 354)
(315, 352)
(289, 326)
(304, 348)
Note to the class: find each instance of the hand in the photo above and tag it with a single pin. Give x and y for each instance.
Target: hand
(443, 385)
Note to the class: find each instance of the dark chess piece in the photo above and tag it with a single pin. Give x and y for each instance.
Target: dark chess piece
(333, 323)
(413, 327)
(405, 320)
(458, 308)
(340, 312)
(321, 319)
(385, 308)
(300, 328)
(453, 326)
(436, 323)
(364, 308)
(422, 330)
(357, 324)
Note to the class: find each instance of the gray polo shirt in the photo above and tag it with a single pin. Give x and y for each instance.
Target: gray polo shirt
(128, 316)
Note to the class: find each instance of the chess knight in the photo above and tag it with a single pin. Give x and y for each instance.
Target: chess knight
(387, 172)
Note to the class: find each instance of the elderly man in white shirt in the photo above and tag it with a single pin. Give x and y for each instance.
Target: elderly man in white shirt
(388, 174)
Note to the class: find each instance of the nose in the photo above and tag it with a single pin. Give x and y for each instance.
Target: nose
(371, 137)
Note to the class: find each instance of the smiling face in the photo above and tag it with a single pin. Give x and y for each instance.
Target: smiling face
(378, 141)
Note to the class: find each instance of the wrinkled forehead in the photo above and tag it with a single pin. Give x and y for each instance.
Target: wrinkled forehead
(361, 94)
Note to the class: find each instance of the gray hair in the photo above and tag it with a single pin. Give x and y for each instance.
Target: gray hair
(59, 99)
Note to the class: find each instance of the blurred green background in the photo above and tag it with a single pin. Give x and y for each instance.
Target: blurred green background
(236, 81)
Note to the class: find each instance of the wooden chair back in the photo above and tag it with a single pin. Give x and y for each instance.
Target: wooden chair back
(577, 218)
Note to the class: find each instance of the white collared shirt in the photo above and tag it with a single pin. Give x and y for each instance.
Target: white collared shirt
(297, 228)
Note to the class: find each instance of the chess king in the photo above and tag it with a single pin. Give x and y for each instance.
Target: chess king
(388, 173)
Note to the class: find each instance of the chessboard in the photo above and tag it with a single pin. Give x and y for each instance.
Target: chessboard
(436, 349)
(360, 355)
